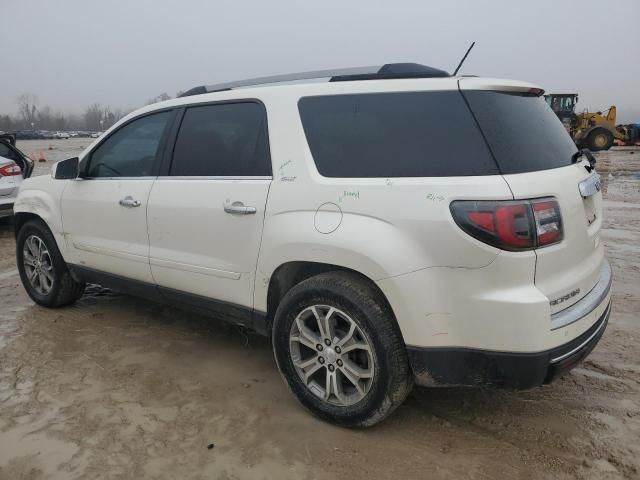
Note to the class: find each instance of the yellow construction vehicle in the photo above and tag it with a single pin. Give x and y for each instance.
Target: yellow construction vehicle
(593, 130)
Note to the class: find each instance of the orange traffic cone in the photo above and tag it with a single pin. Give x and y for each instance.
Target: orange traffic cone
(32, 157)
(50, 147)
(42, 159)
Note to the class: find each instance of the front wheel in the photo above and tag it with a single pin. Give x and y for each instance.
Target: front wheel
(600, 139)
(340, 351)
(43, 271)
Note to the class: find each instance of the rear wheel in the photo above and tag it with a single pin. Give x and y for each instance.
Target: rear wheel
(43, 271)
(599, 139)
(340, 350)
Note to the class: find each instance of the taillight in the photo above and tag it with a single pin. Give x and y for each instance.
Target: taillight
(10, 170)
(548, 221)
(510, 224)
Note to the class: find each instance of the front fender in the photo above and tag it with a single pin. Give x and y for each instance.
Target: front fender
(40, 196)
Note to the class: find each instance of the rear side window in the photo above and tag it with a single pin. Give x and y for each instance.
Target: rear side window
(412, 134)
(222, 140)
(523, 132)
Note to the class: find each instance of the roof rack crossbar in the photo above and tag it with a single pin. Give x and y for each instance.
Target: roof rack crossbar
(390, 70)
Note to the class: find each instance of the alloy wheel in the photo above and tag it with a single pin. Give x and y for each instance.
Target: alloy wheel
(37, 264)
(332, 355)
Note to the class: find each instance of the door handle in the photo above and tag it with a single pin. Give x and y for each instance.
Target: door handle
(238, 208)
(129, 202)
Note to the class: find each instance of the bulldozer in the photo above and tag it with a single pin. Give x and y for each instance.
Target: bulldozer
(593, 130)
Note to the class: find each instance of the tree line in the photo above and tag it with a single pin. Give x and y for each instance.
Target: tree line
(96, 117)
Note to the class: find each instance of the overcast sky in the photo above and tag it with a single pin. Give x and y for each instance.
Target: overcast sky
(122, 52)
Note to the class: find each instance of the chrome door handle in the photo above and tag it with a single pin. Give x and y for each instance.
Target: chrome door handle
(129, 202)
(238, 208)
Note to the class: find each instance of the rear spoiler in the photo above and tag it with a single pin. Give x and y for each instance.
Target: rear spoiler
(9, 138)
(500, 85)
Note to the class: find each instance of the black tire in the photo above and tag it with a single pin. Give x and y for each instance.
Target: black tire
(64, 289)
(353, 295)
(599, 139)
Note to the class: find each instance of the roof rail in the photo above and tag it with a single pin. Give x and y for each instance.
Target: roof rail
(387, 71)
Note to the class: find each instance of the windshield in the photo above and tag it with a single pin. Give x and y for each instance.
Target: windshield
(522, 131)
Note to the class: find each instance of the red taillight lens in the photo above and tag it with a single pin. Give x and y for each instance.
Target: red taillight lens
(485, 220)
(510, 225)
(10, 170)
(513, 226)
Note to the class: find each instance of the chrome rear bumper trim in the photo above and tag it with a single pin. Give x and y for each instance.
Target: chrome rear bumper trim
(587, 304)
(583, 344)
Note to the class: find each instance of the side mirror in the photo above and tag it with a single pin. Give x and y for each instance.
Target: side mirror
(67, 169)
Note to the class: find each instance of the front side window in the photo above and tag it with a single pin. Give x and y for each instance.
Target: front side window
(227, 139)
(132, 150)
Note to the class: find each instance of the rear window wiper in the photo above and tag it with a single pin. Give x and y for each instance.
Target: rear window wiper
(585, 152)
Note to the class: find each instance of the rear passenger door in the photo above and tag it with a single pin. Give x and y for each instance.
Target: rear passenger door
(206, 210)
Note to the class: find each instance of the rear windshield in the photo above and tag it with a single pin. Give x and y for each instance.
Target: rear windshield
(412, 134)
(523, 132)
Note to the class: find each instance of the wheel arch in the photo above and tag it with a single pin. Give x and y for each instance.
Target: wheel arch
(289, 274)
(39, 198)
(20, 218)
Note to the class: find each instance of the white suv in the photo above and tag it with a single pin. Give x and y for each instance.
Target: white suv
(383, 226)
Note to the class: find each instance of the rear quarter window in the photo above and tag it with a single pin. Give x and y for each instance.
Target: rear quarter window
(523, 132)
(404, 134)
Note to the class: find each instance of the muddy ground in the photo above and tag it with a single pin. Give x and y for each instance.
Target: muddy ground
(116, 387)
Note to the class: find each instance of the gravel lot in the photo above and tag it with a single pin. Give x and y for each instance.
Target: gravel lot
(116, 387)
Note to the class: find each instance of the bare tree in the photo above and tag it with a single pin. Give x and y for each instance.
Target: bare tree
(93, 115)
(27, 108)
(7, 123)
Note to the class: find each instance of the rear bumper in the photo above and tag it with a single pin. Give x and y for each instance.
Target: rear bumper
(465, 366)
(588, 304)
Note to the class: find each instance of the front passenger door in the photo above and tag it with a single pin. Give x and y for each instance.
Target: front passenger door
(104, 213)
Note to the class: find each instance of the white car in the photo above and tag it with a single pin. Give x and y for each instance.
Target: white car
(384, 226)
(10, 181)
(61, 135)
(14, 166)
(95, 134)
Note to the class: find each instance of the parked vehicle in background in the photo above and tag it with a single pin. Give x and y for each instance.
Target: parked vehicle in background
(14, 166)
(9, 150)
(26, 135)
(61, 135)
(390, 226)
(593, 130)
(10, 181)
(95, 134)
(32, 134)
